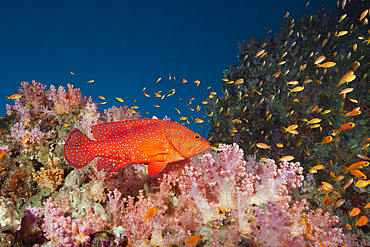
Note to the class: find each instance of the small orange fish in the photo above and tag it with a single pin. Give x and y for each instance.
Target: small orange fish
(344, 127)
(315, 108)
(193, 240)
(346, 90)
(342, 17)
(362, 221)
(119, 99)
(326, 65)
(287, 158)
(2, 153)
(348, 183)
(143, 141)
(362, 183)
(358, 174)
(350, 78)
(326, 201)
(151, 212)
(295, 90)
(291, 127)
(326, 140)
(354, 212)
(13, 96)
(352, 113)
(354, 47)
(263, 145)
(294, 132)
(279, 145)
(347, 227)
(314, 121)
(339, 203)
(343, 79)
(160, 78)
(340, 177)
(328, 187)
(341, 33)
(356, 166)
(90, 81)
(320, 59)
(276, 75)
(363, 14)
(101, 97)
(326, 112)
(198, 120)
(316, 168)
(25, 139)
(364, 157)
(260, 53)
(293, 83)
(72, 73)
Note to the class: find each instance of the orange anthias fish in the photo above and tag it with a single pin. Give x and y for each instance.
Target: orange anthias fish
(362, 221)
(344, 127)
(149, 141)
(13, 96)
(326, 140)
(193, 240)
(151, 212)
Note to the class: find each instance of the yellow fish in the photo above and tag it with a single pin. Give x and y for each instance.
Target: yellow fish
(295, 90)
(287, 158)
(119, 99)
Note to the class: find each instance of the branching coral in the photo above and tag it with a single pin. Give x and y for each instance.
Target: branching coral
(51, 176)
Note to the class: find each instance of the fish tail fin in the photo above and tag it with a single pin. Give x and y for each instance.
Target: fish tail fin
(77, 151)
(345, 170)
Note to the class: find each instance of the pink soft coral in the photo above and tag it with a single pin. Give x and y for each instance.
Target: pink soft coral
(65, 231)
(64, 100)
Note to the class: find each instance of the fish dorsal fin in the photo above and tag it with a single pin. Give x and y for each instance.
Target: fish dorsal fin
(105, 130)
(155, 167)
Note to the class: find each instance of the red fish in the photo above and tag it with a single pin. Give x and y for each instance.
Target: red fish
(143, 141)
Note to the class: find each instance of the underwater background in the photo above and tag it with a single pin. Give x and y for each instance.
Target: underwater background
(280, 90)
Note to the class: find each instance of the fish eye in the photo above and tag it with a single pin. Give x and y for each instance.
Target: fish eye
(197, 136)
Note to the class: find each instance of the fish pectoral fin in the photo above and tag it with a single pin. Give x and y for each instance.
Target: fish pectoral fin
(153, 148)
(155, 167)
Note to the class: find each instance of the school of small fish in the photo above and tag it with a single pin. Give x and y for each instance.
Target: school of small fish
(157, 142)
(320, 96)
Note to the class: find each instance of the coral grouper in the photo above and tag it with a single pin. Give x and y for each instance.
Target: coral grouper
(151, 141)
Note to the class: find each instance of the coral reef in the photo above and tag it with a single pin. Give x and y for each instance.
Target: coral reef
(284, 102)
(303, 94)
